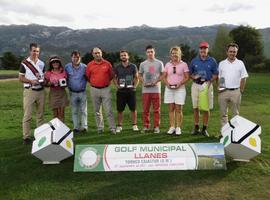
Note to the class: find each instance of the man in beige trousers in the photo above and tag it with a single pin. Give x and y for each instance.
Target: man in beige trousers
(31, 74)
(232, 81)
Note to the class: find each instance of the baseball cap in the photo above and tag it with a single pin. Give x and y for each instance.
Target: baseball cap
(204, 44)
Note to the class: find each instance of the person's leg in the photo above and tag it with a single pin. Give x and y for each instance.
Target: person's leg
(179, 115)
(146, 108)
(156, 108)
(235, 101)
(195, 103)
(223, 102)
(107, 103)
(120, 105)
(83, 110)
(96, 100)
(206, 114)
(28, 103)
(131, 101)
(74, 101)
(40, 107)
(61, 113)
(55, 113)
(171, 107)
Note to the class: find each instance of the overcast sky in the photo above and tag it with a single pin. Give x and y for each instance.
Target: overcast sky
(82, 14)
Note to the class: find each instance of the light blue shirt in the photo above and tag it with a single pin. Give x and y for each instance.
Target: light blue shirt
(76, 80)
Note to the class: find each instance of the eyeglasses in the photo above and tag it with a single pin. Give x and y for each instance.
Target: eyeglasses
(174, 70)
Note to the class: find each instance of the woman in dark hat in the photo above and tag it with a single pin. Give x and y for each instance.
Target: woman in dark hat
(55, 78)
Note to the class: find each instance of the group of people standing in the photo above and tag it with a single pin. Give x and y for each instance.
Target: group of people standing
(230, 76)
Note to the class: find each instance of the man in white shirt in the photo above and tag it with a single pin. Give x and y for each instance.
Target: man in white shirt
(31, 74)
(232, 81)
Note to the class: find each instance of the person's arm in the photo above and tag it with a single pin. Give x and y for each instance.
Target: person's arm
(186, 78)
(165, 75)
(25, 80)
(242, 84)
(136, 79)
(115, 80)
(140, 76)
(160, 77)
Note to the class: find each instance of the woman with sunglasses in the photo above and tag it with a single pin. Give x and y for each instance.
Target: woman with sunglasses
(55, 78)
(176, 74)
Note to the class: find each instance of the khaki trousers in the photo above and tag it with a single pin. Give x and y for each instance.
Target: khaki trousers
(32, 99)
(232, 97)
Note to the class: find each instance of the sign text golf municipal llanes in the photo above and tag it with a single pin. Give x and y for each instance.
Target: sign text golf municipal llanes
(144, 157)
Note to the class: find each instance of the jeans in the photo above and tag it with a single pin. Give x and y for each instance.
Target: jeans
(78, 103)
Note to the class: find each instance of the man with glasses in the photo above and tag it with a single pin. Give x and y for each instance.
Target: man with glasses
(203, 69)
(150, 74)
(76, 82)
(232, 81)
(99, 73)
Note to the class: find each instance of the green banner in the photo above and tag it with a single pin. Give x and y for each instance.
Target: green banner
(144, 157)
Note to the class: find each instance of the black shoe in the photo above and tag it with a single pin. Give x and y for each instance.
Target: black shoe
(205, 133)
(84, 130)
(76, 131)
(27, 141)
(195, 132)
(100, 131)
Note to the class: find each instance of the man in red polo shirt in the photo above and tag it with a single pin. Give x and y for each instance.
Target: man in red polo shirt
(99, 73)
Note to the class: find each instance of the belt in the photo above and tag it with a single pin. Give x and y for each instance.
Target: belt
(34, 89)
(99, 87)
(76, 91)
(232, 88)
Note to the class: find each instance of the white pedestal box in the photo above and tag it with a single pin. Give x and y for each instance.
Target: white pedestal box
(240, 138)
(53, 142)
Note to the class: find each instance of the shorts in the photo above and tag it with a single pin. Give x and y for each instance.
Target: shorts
(124, 98)
(195, 90)
(176, 96)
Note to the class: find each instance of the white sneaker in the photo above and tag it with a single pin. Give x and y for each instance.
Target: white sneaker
(145, 130)
(156, 130)
(178, 131)
(135, 128)
(118, 129)
(171, 130)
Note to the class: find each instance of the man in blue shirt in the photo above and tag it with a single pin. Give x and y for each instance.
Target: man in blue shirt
(202, 69)
(76, 83)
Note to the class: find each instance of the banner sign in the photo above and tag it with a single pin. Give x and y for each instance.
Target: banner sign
(144, 157)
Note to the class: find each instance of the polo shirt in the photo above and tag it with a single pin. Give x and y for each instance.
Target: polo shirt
(125, 75)
(76, 81)
(175, 76)
(24, 70)
(204, 68)
(232, 72)
(99, 74)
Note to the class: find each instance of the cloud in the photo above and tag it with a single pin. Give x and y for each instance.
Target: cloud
(32, 10)
(233, 7)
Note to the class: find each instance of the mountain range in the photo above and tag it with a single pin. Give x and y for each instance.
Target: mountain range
(62, 40)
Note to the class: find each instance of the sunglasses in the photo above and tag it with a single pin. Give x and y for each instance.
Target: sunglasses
(174, 70)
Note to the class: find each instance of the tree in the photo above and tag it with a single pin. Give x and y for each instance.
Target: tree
(250, 45)
(222, 40)
(10, 61)
(187, 53)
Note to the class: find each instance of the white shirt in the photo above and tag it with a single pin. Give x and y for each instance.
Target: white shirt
(24, 70)
(232, 72)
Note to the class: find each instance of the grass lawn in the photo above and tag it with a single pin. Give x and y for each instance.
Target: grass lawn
(22, 176)
(2, 71)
